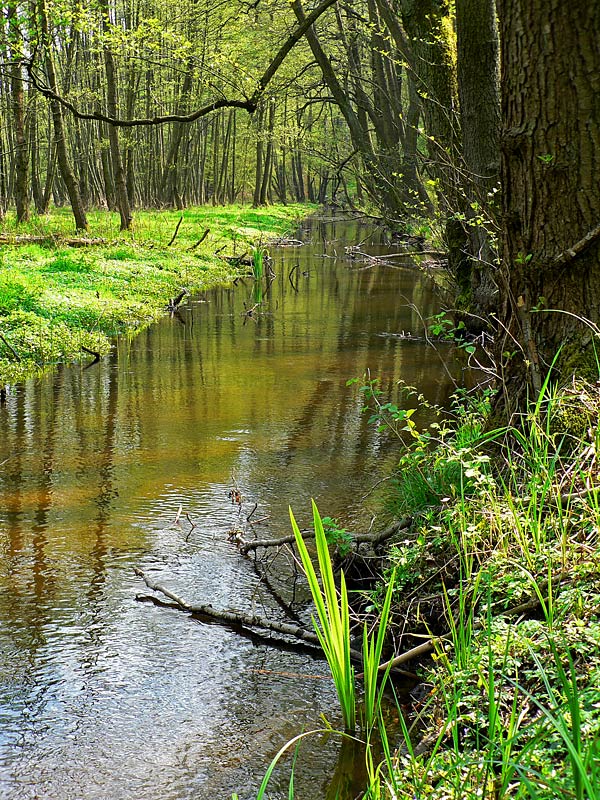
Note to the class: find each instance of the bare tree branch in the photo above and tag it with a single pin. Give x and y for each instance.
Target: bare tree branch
(249, 103)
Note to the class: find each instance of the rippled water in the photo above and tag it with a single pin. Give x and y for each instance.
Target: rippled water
(103, 697)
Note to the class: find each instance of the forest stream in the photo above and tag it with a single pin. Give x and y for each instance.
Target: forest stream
(104, 697)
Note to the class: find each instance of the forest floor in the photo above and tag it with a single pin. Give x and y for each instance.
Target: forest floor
(62, 297)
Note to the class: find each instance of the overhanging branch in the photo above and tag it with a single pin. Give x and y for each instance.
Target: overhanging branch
(249, 103)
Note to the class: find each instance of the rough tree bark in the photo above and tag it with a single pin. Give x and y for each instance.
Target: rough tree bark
(551, 205)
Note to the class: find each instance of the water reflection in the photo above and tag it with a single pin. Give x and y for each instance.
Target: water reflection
(103, 697)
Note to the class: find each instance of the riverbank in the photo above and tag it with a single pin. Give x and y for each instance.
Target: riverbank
(497, 584)
(62, 299)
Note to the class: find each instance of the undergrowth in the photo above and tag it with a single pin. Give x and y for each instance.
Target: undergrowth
(499, 576)
(56, 299)
(502, 566)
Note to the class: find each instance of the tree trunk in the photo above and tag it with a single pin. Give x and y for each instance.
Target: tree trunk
(81, 223)
(478, 70)
(551, 204)
(258, 119)
(113, 133)
(21, 155)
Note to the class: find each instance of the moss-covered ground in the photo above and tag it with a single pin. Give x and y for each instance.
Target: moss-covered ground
(57, 299)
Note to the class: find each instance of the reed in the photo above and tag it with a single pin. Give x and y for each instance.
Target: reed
(333, 626)
(372, 648)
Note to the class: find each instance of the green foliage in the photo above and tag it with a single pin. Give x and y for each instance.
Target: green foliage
(67, 262)
(333, 629)
(337, 536)
(444, 328)
(18, 291)
(82, 296)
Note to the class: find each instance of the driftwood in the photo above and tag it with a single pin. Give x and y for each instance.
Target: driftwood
(78, 241)
(358, 538)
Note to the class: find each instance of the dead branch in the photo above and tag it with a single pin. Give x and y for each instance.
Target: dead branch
(233, 617)
(94, 353)
(175, 302)
(357, 538)
(425, 648)
(176, 231)
(249, 620)
(10, 347)
(200, 240)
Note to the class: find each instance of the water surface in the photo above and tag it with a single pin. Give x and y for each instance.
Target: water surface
(103, 697)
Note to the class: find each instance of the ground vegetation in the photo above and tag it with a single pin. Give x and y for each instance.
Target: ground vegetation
(63, 298)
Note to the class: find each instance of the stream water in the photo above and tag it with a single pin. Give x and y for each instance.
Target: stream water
(104, 697)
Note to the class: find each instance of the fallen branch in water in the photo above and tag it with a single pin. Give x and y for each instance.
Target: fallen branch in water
(247, 620)
(175, 302)
(357, 538)
(94, 353)
(232, 617)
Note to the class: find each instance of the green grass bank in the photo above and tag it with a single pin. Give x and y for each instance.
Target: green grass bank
(59, 295)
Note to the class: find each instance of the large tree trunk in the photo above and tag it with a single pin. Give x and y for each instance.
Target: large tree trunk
(550, 166)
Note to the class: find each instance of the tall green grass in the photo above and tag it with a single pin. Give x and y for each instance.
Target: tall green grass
(333, 613)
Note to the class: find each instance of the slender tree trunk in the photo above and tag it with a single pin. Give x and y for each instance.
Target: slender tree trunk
(259, 118)
(268, 170)
(21, 155)
(81, 223)
(169, 188)
(113, 133)
(36, 187)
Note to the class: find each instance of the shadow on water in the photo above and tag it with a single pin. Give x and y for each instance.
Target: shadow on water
(105, 697)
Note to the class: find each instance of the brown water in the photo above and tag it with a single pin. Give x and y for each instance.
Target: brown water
(106, 698)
